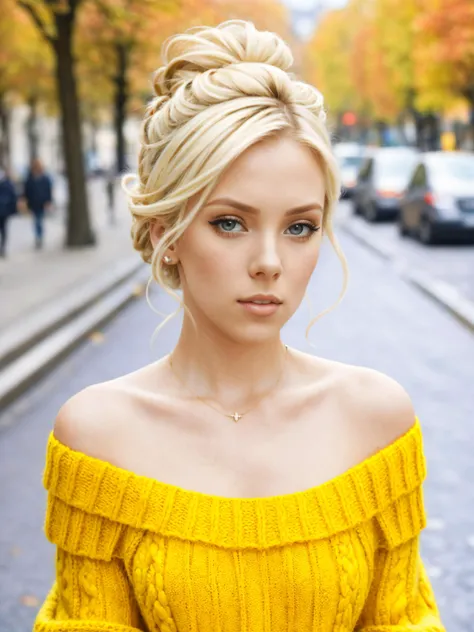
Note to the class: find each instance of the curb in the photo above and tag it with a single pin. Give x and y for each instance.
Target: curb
(444, 294)
(16, 339)
(41, 357)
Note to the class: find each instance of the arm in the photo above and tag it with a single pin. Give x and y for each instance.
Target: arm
(401, 597)
(49, 197)
(89, 595)
(13, 198)
(92, 591)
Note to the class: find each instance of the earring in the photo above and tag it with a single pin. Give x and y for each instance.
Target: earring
(167, 260)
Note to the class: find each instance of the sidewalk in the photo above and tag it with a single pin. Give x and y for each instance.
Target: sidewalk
(29, 279)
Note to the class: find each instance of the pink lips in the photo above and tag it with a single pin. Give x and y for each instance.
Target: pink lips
(255, 305)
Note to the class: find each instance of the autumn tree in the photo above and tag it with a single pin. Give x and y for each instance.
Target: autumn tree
(25, 73)
(121, 41)
(329, 60)
(445, 55)
(116, 36)
(8, 62)
(56, 22)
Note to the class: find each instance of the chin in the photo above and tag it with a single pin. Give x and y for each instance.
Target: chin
(254, 333)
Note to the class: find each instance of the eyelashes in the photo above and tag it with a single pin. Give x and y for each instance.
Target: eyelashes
(224, 226)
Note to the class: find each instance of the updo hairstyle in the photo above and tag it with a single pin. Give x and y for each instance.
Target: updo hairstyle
(220, 90)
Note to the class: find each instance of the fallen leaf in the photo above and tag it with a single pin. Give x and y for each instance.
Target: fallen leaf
(97, 337)
(138, 290)
(29, 600)
(15, 551)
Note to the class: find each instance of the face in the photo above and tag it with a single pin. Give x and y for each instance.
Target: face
(256, 240)
(36, 166)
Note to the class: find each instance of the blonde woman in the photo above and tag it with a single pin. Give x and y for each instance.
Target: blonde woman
(236, 484)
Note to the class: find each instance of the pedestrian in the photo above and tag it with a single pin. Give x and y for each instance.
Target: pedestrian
(236, 483)
(38, 194)
(110, 191)
(8, 207)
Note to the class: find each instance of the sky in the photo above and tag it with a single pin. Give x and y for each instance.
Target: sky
(305, 13)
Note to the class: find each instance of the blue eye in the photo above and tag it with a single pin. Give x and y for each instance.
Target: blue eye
(302, 229)
(226, 225)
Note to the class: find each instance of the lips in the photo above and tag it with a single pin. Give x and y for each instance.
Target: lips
(261, 305)
(262, 299)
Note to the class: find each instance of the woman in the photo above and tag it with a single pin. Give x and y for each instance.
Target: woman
(236, 484)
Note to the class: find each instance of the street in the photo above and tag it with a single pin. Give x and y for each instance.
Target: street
(383, 323)
(452, 264)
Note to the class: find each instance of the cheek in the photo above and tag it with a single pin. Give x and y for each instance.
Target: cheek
(206, 259)
(302, 268)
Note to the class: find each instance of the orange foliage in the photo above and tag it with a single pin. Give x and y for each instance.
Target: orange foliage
(445, 57)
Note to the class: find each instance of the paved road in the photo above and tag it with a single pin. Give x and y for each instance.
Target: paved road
(451, 264)
(383, 323)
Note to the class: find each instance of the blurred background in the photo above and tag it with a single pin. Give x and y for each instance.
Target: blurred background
(398, 82)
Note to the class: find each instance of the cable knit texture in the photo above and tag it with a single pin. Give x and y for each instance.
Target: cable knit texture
(136, 554)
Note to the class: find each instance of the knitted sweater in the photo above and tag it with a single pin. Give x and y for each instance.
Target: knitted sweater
(135, 554)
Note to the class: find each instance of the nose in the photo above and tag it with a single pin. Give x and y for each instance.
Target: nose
(266, 261)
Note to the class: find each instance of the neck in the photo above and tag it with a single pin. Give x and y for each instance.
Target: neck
(229, 372)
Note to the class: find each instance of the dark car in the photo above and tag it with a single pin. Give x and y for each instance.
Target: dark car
(439, 201)
(381, 182)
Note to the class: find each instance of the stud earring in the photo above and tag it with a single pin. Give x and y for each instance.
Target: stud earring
(167, 259)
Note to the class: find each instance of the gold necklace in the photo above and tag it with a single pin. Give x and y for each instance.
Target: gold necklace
(235, 416)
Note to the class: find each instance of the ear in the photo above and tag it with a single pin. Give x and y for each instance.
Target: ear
(156, 232)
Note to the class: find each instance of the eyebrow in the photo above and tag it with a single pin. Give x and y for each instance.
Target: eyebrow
(315, 206)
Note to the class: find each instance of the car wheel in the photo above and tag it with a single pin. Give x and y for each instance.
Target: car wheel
(426, 232)
(403, 230)
(371, 213)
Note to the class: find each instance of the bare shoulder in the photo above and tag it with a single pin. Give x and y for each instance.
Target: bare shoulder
(109, 420)
(87, 421)
(373, 409)
(378, 404)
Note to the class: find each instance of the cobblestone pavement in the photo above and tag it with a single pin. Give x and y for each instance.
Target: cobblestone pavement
(451, 264)
(383, 323)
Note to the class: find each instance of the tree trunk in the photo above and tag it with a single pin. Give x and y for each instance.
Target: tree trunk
(4, 133)
(469, 96)
(121, 100)
(79, 231)
(417, 117)
(94, 131)
(32, 127)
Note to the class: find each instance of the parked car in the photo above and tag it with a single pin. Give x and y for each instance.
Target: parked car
(439, 201)
(381, 182)
(350, 157)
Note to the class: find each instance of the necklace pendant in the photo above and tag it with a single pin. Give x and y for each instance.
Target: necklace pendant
(235, 416)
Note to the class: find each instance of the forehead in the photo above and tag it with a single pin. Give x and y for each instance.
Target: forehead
(277, 170)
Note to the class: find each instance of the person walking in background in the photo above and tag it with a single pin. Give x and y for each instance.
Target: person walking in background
(110, 190)
(8, 201)
(39, 195)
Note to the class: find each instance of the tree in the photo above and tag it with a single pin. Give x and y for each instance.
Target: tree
(120, 40)
(329, 60)
(121, 33)
(445, 55)
(8, 62)
(25, 71)
(56, 22)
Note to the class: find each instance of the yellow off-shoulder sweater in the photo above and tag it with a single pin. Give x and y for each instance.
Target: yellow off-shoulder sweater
(134, 554)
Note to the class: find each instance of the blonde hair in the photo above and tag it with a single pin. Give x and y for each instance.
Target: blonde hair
(221, 90)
